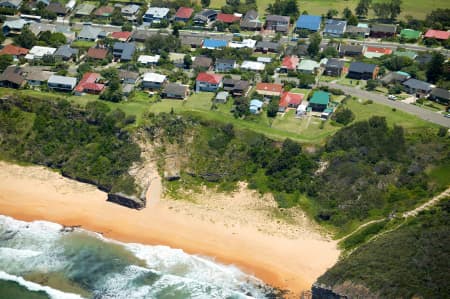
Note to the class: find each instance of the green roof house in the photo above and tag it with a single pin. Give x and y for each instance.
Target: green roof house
(319, 101)
(410, 34)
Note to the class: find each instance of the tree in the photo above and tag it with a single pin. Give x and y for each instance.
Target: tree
(372, 84)
(187, 61)
(353, 20)
(344, 116)
(395, 7)
(362, 9)
(206, 3)
(26, 39)
(272, 108)
(330, 52)
(284, 7)
(314, 44)
(332, 13)
(382, 10)
(5, 61)
(347, 13)
(435, 67)
(117, 17)
(127, 27)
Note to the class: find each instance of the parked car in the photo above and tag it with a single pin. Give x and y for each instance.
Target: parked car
(447, 115)
(392, 97)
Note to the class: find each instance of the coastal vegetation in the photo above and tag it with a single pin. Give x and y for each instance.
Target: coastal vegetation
(90, 144)
(410, 261)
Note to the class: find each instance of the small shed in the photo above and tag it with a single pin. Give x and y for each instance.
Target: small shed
(222, 97)
(255, 106)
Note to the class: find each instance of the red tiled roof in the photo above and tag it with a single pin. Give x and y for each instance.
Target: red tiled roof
(385, 51)
(269, 87)
(122, 35)
(289, 98)
(13, 50)
(88, 83)
(97, 53)
(290, 62)
(184, 12)
(227, 18)
(209, 78)
(438, 34)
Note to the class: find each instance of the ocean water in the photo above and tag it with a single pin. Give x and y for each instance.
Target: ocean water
(45, 260)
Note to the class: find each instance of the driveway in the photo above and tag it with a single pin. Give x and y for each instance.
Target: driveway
(422, 113)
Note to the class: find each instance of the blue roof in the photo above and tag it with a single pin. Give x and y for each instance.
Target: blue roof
(309, 22)
(214, 43)
(256, 103)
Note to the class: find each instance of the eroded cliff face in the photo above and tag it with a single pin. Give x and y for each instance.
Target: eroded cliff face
(127, 200)
(346, 290)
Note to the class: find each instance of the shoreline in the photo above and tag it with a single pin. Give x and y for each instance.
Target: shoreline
(244, 238)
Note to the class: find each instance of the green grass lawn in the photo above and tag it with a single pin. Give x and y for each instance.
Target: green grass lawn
(83, 44)
(415, 8)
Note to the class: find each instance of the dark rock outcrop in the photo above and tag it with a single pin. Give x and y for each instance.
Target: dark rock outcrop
(127, 200)
(322, 292)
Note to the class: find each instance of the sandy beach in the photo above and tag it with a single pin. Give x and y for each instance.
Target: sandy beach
(283, 248)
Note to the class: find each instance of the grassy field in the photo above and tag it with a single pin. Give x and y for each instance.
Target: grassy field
(415, 8)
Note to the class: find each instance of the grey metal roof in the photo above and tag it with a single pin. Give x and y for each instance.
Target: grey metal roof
(441, 93)
(417, 84)
(126, 48)
(89, 32)
(268, 45)
(335, 63)
(361, 67)
(335, 26)
(66, 51)
(386, 28)
(56, 79)
(175, 88)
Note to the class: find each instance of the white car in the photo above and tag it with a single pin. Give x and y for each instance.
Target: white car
(392, 97)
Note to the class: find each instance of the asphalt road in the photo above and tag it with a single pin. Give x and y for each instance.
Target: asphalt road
(422, 113)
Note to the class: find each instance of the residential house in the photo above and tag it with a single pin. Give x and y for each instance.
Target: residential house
(89, 83)
(175, 91)
(255, 106)
(221, 97)
(423, 58)
(417, 87)
(122, 36)
(245, 43)
(205, 17)
(191, 41)
(91, 34)
(38, 52)
(84, 9)
(264, 59)
(437, 34)
(97, 53)
(251, 21)
(130, 12)
(148, 60)
(128, 77)
(123, 51)
(66, 53)
(12, 77)
(66, 30)
(14, 51)
(183, 14)
(308, 66)
(410, 34)
(15, 4)
(13, 27)
(155, 15)
(208, 82)
(37, 78)
(58, 8)
(357, 31)
(214, 44)
(289, 100)
(254, 66)
(383, 30)
(335, 28)
(362, 71)
(440, 95)
(237, 88)
(308, 22)
(376, 52)
(61, 83)
(202, 63)
(227, 18)
(177, 59)
(395, 77)
(38, 28)
(334, 67)
(225, 65)
(153, 80)
(265, 47)
(142, 35)
(319, 101)
(277, 23)
(269, 89)
(289, 63)
(350, 50)
(104, 11)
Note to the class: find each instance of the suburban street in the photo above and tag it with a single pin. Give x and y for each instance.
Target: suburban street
(424, 114)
